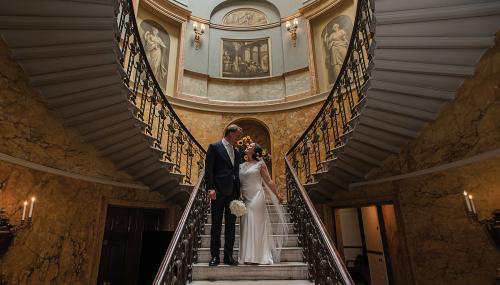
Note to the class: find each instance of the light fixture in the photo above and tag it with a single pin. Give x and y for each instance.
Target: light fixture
(198, 31)
(492, 223)
(292, 29)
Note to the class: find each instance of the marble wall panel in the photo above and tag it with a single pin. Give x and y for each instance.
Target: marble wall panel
(297, 83)
(194, 85)
(246, 90)
(63, 242)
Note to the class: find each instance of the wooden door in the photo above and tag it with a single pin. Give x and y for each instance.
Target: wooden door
(121, 248)
(374, 246)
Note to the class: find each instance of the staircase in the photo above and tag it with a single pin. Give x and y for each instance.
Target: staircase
(290, 268)
(85, 59)
(419, 54)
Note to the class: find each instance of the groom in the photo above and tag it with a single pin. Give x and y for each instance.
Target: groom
(223, 185)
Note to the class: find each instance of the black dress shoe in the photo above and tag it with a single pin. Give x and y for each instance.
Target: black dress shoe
(229, 260)
(214, 261)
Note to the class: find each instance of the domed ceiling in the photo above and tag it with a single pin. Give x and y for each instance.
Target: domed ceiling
(251, 53)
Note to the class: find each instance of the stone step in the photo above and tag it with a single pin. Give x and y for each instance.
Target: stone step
(252, 282)
(279, 271)
(273, 216)
(291, 241)
(291, 229)
(288, 254)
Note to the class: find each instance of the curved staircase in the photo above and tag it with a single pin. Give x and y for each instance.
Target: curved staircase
(74, 53)
(420, 53)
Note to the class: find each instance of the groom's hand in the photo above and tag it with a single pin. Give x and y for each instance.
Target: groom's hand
(212, 194)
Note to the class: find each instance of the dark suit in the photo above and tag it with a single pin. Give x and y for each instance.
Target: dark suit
(223, 176)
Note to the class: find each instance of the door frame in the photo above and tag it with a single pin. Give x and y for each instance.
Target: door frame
(105, 203)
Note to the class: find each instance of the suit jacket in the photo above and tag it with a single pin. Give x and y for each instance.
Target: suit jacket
(220, 173)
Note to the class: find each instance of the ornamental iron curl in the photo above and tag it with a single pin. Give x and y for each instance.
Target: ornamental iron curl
(330, 130)
(160, 124)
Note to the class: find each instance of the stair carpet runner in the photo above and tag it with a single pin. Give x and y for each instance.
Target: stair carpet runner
(291, 270)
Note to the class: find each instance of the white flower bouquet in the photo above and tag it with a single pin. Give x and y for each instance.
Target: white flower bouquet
(237, 208)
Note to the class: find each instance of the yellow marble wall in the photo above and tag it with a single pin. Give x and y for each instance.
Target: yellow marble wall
(62, 245)
(285, 128)
(443, 245)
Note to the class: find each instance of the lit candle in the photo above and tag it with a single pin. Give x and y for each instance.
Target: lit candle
(472, 204)
(202, 28)
(24, 210)
(288, 24)
(469, 208)
(295, 22)
(31, 207)
(195, 25)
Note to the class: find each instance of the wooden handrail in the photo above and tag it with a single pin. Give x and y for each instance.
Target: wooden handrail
(346, 277)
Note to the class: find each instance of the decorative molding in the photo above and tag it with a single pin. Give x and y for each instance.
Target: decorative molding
(242, 28)
(51, 170)
(246, 10)
(435, 169)
(247, 107)
(168, 9)
(253, 80)
(317, 8)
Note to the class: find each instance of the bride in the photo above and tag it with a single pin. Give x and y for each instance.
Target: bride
(257, 243)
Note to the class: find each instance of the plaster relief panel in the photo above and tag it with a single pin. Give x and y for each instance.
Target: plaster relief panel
(156, 41)
(245, 17)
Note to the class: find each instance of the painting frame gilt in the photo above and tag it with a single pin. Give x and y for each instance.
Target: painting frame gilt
(245, 58)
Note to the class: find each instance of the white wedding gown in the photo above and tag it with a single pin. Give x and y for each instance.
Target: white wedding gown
(257, 244)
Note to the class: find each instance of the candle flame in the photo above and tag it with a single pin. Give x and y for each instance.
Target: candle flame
(465, 193)
(25, 203)
(470, 197)
(33, 199)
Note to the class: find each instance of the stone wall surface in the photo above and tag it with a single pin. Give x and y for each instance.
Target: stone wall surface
(443, 245)
(285, 127)
(63, 244)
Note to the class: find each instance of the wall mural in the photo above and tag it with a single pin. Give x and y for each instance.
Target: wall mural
(156, 43)
(245, 58)
(335, 38)
(245, 17)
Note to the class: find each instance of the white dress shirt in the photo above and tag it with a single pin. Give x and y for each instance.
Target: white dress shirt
(229, 149)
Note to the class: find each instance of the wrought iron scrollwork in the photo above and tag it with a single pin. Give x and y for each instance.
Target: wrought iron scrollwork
(326, 136)
(161, 124)
(324, 262)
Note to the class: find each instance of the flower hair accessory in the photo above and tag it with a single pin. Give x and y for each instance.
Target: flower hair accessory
(247, 140)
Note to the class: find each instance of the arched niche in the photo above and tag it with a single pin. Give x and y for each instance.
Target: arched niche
(259, 133)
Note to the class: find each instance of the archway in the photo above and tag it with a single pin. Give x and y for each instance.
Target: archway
(259, 133)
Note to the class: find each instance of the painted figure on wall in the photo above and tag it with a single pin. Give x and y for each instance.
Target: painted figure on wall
(157, 46)
(245, 18)
(335, 38)
(245, 58)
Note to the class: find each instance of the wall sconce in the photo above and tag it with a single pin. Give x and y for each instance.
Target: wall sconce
(492, 223)
(197, 34)
(292, 29)
(7, 230)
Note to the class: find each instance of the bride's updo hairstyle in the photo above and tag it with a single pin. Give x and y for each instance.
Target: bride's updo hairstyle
(257, 152)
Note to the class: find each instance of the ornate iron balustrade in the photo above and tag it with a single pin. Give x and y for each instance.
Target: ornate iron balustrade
(326, 136)
(161, 124)
(176, 267)
(324, 262)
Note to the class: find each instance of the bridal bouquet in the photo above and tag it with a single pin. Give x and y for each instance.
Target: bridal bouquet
(238, 208)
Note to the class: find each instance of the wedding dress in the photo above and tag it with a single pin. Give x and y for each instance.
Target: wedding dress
(257, 243)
